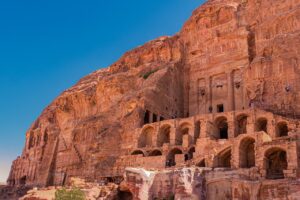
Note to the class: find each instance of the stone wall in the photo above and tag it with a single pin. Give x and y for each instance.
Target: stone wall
(203, 145)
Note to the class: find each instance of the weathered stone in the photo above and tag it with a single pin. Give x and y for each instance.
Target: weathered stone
(222, 93)
(92, 191)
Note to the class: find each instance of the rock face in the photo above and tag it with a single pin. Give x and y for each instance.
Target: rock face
(206, 183)
(223, 92)
(92, 191)
(12, 193)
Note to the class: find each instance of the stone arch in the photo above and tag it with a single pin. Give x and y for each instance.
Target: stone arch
(125, 195)
(190, 153)
(155, 152)
(146, 136)
(237, 76)
(221, 125)
(261, 124)
(275, 163)
(223, 159)
(197, 131)
(201, 163)
(282, 129)
(184, 129)
(138, 152)
(241, 124)
(171, 157)
(163, 136)
(247, 152)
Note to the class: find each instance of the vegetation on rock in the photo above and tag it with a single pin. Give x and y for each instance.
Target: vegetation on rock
(73, 194)
(145, 76)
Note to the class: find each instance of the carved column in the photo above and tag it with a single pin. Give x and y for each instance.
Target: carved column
(231, 127)
(203, 129)
(243, 96)
(230, 98)
(209, 94)
(192, 134)
(155, 135)
(250, 124)
(271, 128)
(151, 117)
(172, 136)
(242, 86)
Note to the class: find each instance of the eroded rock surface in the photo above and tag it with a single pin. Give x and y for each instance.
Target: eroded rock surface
(223, 92)
(92, 191)
(205, 183)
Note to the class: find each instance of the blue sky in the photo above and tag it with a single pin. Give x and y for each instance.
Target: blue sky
(47, 46)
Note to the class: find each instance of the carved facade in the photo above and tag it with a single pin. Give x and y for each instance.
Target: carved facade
(223, 95)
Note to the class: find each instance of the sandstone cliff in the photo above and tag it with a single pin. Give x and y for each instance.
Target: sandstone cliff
(88, 127)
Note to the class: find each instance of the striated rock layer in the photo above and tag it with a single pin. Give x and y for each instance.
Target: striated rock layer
(229, 56)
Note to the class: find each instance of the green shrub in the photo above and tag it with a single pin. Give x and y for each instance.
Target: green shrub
(73, 194)
(145, 76)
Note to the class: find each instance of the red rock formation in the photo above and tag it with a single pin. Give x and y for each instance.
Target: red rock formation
(89, 126)
(231, 54)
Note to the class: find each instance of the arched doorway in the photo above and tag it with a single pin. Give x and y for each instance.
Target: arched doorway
(247, 153)
(201, 163)
(223, 159)
(197, 131)
(190, 153)
(163, 135)
(125, 195)
(261, 125)
(138, 152)
(282, 129)
(275, 163)
(241, 124)
(184, 130)
(222, 127)
(145, 139)
(171, 157)
(155, 153)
